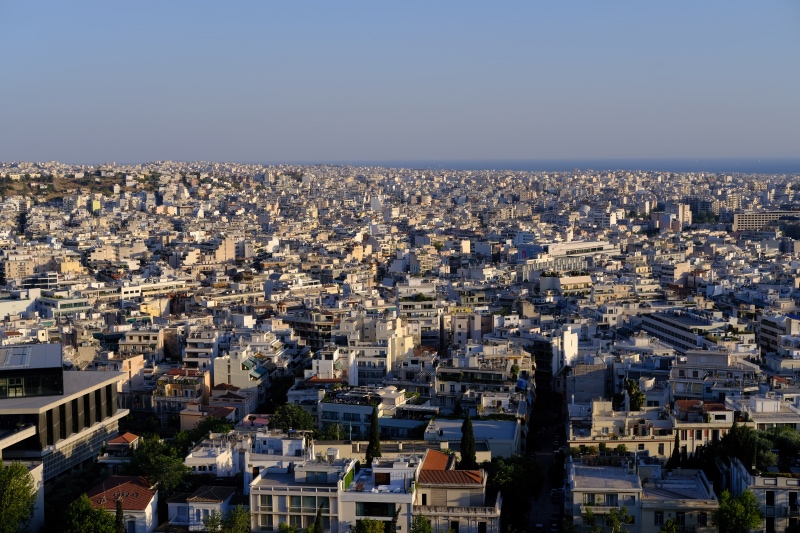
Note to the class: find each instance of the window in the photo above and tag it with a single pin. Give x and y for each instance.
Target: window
(770, 498)
(588, 499)
(424, 499)
(294, 504)
(611, 500)
(658, 518)
(382, 478)
(702, 519)
(380, 509)
(309, 504)
(661, 449)
(698, 435)
(640, 447)
(680, 517)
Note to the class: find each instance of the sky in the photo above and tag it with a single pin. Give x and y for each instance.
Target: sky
(315, 82)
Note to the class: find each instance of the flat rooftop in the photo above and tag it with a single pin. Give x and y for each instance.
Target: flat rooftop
(483, 429)
(76, 383)
(30, 356)
(604, 478)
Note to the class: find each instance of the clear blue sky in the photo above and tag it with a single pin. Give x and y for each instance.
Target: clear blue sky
(286, 81)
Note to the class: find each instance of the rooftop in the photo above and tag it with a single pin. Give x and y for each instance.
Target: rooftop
(604, 478)
(31, 356)
(75, 384)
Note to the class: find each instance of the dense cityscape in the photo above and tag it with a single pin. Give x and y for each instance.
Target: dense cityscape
(230, 347)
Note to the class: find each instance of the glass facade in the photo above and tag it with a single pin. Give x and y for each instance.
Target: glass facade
(26, 383)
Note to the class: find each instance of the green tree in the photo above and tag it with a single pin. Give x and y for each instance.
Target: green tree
(317, 526)
(159, 463)
(590, 520)
(637, 397)
(368, 526)
(283, 527)
(291, 416)
(675, 459)
(210, 424)
(468, 461)
(236, 520)
(82, 517)
(213, 523)
(374, 444)
(614, 520)
(18, 496)
(737, 515)
(119, 519)
(671, 526)
(421, 524)
(519, 479)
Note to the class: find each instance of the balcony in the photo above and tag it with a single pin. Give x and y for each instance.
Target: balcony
(597, 509)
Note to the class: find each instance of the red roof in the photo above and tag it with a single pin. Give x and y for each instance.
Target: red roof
(435, 460)
(450, 477)
(699, 405)
(135, 492)
(315, 379)
(125, 438)
(226, 386)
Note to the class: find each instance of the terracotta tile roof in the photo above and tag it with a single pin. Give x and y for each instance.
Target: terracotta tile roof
(699, 405)
(435, 460)
(135, 492)
(450, 477)
(226, 386)
(125, 438)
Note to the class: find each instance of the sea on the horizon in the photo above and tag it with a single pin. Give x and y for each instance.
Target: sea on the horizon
(744, 166)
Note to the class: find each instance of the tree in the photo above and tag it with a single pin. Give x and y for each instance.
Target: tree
(614, 520)
(671, 526)
(675, 459)
(518, 478)
(291, 416)
(421, 524)
(374, 444)
(368, 526)
(236, 520)
(213, 523)
(82, 517)
(737, 515)
(317, 526)
(119, 519)
(637, 397)
(283, 527)
(468, 461)
(166, 471)
(18, 496)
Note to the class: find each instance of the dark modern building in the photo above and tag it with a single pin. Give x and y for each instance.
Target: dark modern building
(47, 414)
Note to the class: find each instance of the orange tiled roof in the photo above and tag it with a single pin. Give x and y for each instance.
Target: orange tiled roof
(125, 438)
(435, 460)
(135, 492)
(450, 477)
